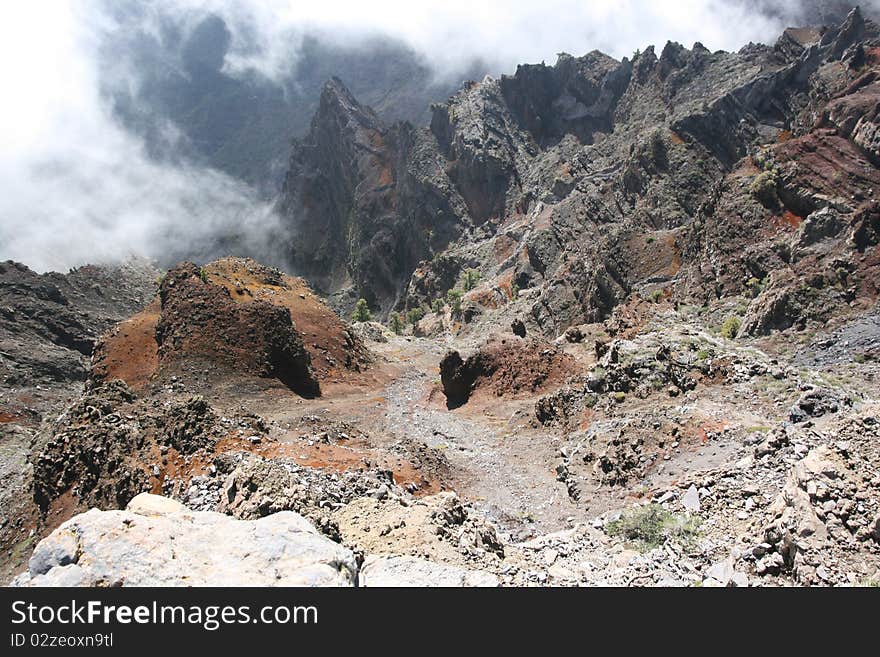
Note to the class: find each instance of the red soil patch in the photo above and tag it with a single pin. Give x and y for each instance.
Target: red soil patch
(788, 220)
(505, 283)
(503, 247)
(675, 138)
(505, 367)
(654, 255)
(129, 352)
(784, 136)
(352, 456)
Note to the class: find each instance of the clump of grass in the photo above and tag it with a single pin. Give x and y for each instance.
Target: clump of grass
(619, 397)
(730, 327)
(764, 188)
(651, 526)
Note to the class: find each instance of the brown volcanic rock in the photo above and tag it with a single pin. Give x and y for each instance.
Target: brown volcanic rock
(200, 322)
(365, 202)
(504, 366)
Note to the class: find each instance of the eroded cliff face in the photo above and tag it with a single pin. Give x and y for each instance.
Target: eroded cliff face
(570, 187)
(366, 201)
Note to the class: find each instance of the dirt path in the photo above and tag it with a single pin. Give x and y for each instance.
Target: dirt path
(504, 469)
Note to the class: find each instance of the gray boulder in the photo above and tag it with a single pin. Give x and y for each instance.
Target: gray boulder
(158, 543)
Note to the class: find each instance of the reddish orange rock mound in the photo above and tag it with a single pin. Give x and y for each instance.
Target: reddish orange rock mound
(235, 314)
(129, 351)
(201, 324)
(504, 366)
(333, 348)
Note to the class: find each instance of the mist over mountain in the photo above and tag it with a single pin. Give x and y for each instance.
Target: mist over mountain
(164, 128)
(242, 122)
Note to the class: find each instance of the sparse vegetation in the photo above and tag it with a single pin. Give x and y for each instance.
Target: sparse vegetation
(361, 311)
(764, 188)
(437, 306)
(656, 296)
(730, 327)
(395, 323)
(469, 279)
(754, 287)
(619, 397)
(415, 315)
(651, 526)
(203, 274)
(453, 299)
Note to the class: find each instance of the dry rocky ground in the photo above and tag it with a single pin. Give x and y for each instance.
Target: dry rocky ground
(672, 456)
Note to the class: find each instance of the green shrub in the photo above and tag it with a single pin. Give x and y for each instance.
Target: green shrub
(651, 526)
(619, 397)
(437, 306)
(656, 296)
(753, 287)
(203, 274)
(469, 279)
(415, 315)
(453, 299)
(764, 187)
(730, 327)
(395, 323)
(361, 311)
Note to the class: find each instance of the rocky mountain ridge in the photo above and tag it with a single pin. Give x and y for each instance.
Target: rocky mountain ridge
(566, 182)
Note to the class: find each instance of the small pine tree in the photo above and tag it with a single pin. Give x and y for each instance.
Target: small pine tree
(415, 315)
(395, 323)
(437, 306)
(453, 298)
(361, 311)
(730, 327)
(470, 279)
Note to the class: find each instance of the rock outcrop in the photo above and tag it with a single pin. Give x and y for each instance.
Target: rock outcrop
(201, 324)
(365, 202)
(503, 366)
(579, 184)
(49, 323)
(157, 542)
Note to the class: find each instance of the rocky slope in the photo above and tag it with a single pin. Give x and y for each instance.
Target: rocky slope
(579, 184)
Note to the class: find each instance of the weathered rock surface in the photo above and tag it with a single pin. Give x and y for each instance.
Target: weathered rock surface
(157, 543)
(201, 323)
(503, 366)
(418, 573)
(49, 323)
